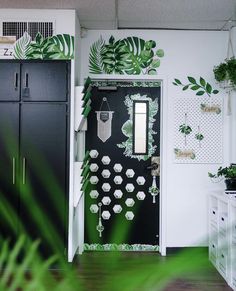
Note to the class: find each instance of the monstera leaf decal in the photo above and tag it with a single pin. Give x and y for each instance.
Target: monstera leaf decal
(21, 46)
(131, 55)
(61, 47)
(56, 47)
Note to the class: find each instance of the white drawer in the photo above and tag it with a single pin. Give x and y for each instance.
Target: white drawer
(223, 223)
(213, 252)
(223, 264)
(213, 214)
(213, 232)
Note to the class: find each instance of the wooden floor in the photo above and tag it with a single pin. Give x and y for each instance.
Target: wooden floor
(104, 271)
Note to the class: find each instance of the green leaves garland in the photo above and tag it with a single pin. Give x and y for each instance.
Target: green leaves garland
(57, 47)
(127, 128)
(202, 87)
(131, 55)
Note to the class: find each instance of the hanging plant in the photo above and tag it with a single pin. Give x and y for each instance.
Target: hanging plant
(185, 129)
(226, 72)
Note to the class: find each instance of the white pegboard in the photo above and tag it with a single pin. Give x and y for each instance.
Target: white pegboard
(210, 149)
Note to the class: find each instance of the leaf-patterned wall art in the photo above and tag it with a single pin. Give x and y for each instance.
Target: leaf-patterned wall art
(127, 128)
(131, 55)
(57, 47)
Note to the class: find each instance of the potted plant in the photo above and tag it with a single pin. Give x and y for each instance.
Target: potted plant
(229, 173)
(226, 72)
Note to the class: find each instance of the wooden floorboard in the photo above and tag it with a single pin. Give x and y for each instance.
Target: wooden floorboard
(98, 270)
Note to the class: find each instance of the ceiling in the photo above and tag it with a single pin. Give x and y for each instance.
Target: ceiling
(142, 14)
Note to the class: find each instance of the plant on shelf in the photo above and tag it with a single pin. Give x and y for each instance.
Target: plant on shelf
(202, 87)
(228, 173)
(226, 73)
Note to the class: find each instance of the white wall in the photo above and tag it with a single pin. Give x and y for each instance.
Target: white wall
(187, 53)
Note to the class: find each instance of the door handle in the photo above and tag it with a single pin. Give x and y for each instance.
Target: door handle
(23, 170)
(16, 81)
(13, 171)
(26, 80)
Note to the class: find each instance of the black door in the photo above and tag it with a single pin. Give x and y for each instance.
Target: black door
(9, 138)
(9, 81)
(120, 177)
(44, 173)
(44, 81)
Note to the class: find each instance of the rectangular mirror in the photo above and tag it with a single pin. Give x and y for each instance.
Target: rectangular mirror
(140, 127)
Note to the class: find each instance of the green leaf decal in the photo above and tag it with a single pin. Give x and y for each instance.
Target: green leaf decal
(195, 87)
(185, 87)
(21, 47)
(160, 53)
(127, 128)
(202, 82)
(178, 81)
(192, 80)
(131, 55)
(208, 88)
(202, 87)
(95, 57)
(200, 93)
(60, 46)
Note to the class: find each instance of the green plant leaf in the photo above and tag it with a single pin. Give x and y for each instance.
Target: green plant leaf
(113, 57)
(215, 91)
(202, 82)
(195, 87)
(21, 47)
(200, 93)
(174, 84)
(127, 128)
(160, 53)
(178, 81)
(152, 72)
(185, 87)
(39, 38)
(155, 64)
(208, 88)
(60, 46)
(95, 57)
(192, 80)
(137, 59)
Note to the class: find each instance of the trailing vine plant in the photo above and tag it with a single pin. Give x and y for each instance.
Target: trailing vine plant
(202, 87)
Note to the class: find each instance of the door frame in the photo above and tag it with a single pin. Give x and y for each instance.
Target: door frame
(163, 149)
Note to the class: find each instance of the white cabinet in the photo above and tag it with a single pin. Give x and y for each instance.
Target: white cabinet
(222, 235)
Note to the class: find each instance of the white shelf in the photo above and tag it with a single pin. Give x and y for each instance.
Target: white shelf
(222, 235)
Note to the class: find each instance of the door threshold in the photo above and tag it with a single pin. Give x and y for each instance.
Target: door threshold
(121, 247)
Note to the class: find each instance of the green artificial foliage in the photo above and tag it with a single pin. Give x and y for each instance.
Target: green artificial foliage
(131, 55)
(227, 172)
(199, 136)
(201, 87)
(185, 129)
(226, 71)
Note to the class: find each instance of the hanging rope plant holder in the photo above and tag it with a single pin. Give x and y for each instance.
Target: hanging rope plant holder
(225, 73)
